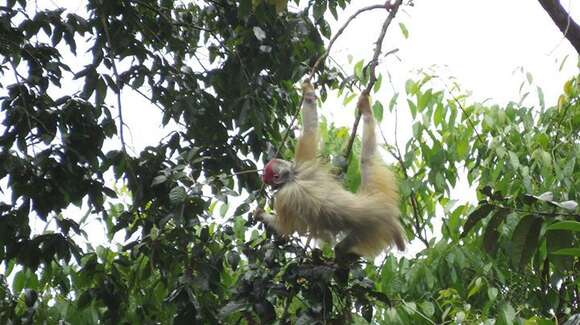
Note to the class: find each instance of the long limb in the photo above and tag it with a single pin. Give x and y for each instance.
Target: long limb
(308, 141)
(267, 218)
(369, 139)
(343, 250)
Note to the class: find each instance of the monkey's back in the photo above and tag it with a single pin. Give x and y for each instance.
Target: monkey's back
(315, 202)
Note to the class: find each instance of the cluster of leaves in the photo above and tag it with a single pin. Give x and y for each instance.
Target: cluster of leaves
(224, 73)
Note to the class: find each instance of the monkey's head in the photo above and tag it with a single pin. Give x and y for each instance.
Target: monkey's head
(277, 173)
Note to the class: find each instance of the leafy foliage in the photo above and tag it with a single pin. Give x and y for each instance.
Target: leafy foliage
(223, 74)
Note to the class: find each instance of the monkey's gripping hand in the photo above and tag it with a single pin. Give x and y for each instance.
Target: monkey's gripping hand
(265, 217)
(363, 105)
(308, 92)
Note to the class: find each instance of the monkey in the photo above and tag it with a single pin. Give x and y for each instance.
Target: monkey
(310, 200)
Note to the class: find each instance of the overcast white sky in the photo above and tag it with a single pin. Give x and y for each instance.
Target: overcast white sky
(481, 43)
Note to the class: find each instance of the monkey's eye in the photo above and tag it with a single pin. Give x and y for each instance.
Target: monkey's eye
(276, 177)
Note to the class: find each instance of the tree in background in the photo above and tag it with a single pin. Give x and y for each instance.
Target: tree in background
(223, 76)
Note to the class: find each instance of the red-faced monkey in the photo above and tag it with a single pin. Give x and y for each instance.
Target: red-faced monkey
(310, 200)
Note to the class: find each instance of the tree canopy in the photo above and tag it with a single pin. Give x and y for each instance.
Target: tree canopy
(183, 245)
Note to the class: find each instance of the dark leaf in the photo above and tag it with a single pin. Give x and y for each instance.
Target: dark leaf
(491, 234)
(525, 239)
(474, 217)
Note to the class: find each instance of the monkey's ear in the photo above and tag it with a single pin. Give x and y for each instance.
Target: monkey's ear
(284, 175)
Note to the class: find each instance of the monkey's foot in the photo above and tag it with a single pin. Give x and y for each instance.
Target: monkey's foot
(344, 258)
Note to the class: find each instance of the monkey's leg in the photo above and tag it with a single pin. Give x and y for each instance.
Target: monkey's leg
(369, 141)
(342, 250)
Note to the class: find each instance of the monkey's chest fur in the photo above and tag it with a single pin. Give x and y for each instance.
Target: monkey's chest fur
(315, 202)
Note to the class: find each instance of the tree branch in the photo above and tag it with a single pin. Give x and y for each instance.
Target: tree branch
(325, 55)
(117, 81)
(562, 19)
(337, 35)
(372, 68)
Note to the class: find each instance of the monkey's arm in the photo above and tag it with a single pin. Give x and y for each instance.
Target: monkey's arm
(281, 224)
(308, 141)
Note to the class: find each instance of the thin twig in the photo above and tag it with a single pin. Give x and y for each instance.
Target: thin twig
(337, 35)
(117, 82)
(320, 59)
(246, 172)
(419, 223)
(167, 18)
(372, 68)
(467, 116)
(23, 98)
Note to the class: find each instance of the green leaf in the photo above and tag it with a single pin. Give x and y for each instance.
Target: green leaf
(19, 281)
(138, 81)
(412, 108)
(243, 208)
(568, 252)
(232, 307)
(565, 225)
(158, 180)
(514, 161)
(244, 8)
(411, 87)
(177, 195)
(507, 315)
(233, 259)
(224, 209)
(568, 205)
(439, 114)
(529, 77)
(475, 287)
(358, 70)
(423, 100)
(428, 308)
(100, 92)
(492, 293)
(404, 30)
(348, 99)
(319, 9)
(541, 97)
(556, 240)
(378, 83)
(378, 111)
(474, 217)
(84, 299)
(525, 239)
(24, 279)
(462, 147)
(393, 102)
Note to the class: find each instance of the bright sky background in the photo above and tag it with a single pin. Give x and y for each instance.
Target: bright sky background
(481, 43)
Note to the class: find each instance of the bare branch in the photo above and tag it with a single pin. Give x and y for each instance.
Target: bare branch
(562, 19)
(337, 35)
(372, 68)
(117, 82)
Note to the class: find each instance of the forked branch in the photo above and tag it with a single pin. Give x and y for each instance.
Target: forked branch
(372, 71)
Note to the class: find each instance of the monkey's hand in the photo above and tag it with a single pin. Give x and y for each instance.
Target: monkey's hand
(308, 91)
(363, 105)
(258, 214)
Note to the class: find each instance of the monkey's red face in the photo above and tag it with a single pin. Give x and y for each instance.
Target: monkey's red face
(277, 172)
